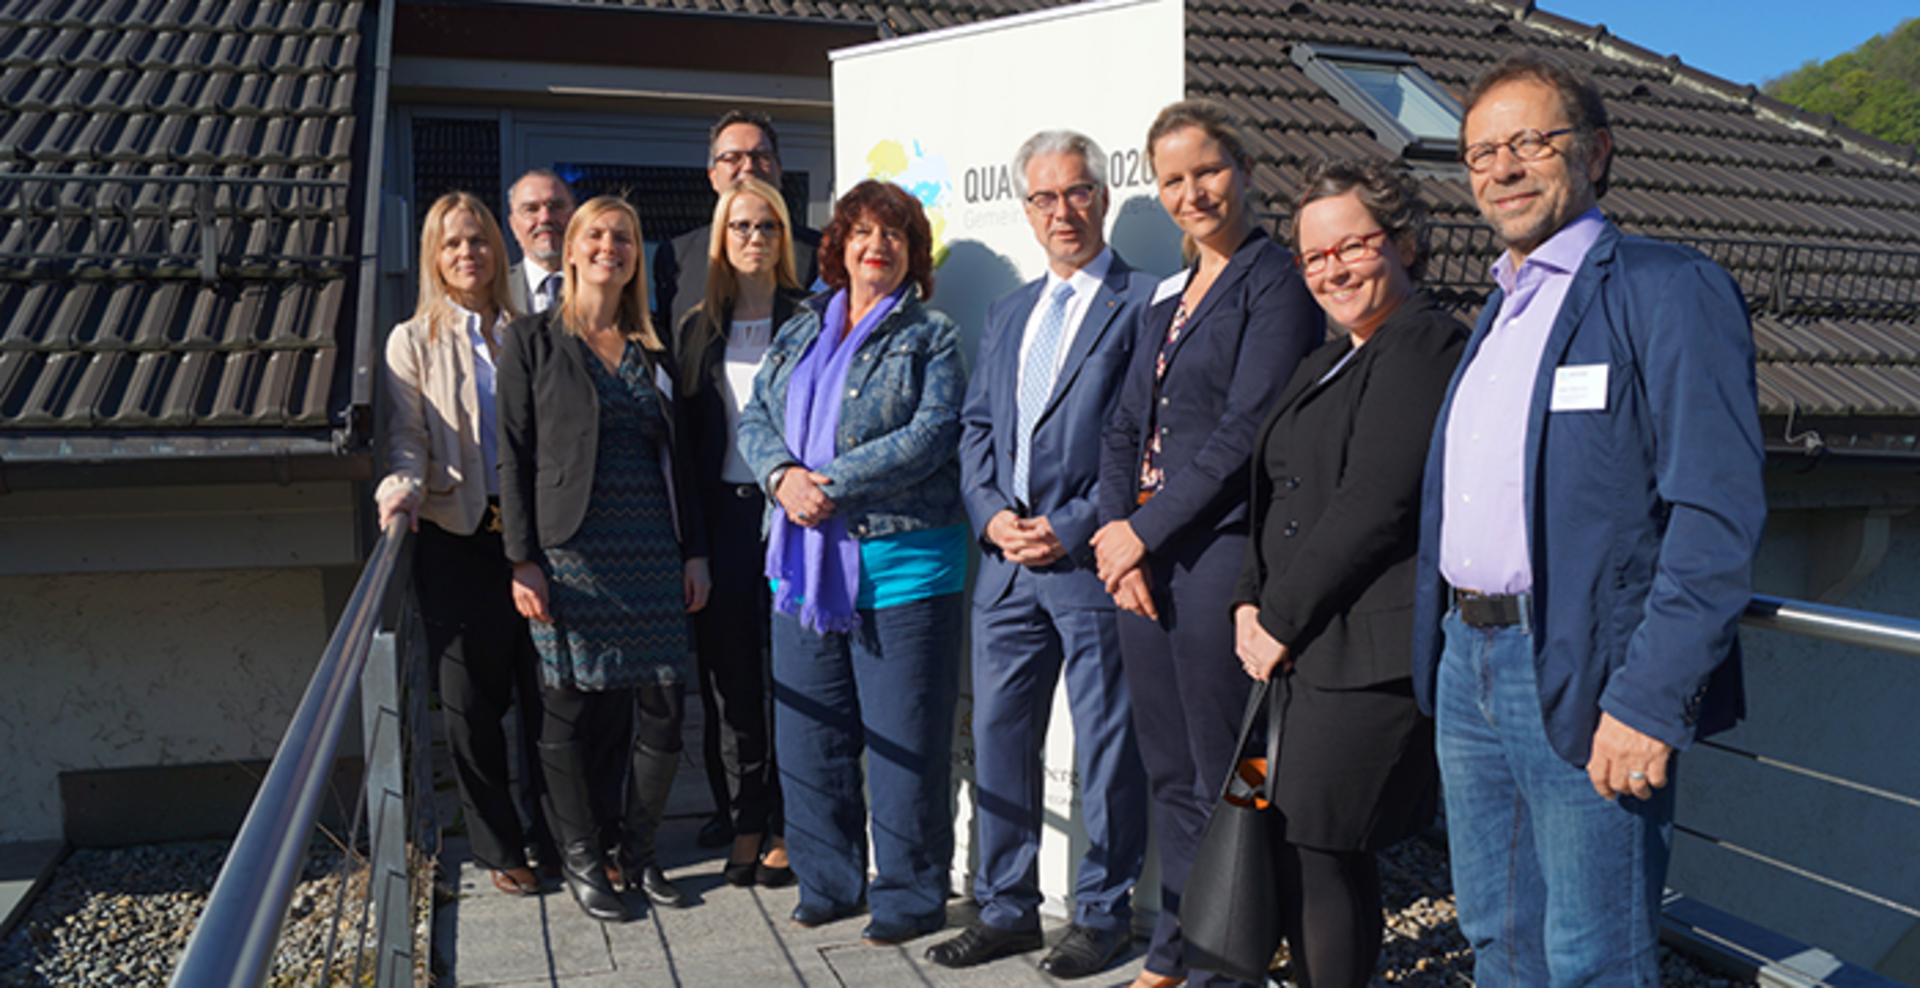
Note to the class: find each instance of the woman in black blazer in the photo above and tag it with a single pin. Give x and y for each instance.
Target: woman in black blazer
(751, 291)
(1216, 345)
(608, 552)
(1324, 604)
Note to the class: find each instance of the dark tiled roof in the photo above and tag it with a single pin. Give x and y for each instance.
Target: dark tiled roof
(1820, 224)
(175, 199)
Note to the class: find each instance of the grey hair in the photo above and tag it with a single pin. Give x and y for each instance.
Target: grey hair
(1059, 142)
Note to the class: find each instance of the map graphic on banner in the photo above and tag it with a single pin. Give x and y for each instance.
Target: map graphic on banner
(926, 176)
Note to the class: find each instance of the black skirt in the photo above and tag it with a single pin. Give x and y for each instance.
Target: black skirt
(1357, 769)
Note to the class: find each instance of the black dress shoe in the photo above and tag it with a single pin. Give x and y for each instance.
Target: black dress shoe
(659, 890)
(1085, 950)
(812, 914)
(739, 874)
(772, 876)
(887, 933)
(980, 943)
(716, 832)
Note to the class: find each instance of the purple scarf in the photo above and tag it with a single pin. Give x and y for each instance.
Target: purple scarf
(818, 568)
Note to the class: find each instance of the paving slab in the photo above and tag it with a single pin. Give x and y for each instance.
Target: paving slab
(726, 936)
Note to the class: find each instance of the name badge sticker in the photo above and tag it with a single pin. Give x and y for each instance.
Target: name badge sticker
(1579, 388)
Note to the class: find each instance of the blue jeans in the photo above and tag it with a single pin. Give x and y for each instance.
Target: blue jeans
(1556, 887)
(886, 689)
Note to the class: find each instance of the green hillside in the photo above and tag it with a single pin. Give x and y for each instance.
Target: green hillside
(1874, 88)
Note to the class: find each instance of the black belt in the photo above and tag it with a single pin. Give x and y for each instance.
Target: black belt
(1490, 610)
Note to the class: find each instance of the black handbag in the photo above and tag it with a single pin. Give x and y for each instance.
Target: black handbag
(1230, 911)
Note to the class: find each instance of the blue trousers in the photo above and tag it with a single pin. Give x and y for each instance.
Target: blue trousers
(1022, 643)
(1556, 887)
(1189, 692)
(888, 690)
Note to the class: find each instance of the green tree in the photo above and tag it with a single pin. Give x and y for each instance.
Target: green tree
(1874, 88)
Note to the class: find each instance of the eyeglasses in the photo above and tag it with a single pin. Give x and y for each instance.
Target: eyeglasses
(743, 230)
(1350, 251)
(1078, 196)
(1528, 145)
(736, 159)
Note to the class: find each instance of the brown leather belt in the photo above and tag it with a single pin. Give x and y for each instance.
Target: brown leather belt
(1490, 610)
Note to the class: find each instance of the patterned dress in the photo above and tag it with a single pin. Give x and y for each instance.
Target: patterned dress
(614, 587)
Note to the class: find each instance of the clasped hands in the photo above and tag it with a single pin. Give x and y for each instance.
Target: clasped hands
(1026, 541)
(1122, 561)
(800, 496)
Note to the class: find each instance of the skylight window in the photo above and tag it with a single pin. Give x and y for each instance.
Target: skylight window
(1406, 110)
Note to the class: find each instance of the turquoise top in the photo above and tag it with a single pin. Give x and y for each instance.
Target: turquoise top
(914, 565)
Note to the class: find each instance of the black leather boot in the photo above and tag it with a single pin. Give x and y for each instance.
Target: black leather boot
(647, 793)
(570, 806)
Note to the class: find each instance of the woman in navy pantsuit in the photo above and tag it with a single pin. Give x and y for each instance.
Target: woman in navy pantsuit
(1219, 341)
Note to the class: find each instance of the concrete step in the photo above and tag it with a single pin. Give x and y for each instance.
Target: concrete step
(24, 868)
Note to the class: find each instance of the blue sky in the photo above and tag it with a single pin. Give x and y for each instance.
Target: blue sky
(1741, 40)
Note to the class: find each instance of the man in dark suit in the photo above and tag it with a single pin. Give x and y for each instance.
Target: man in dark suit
(742, 144)
(539, 206)
(1592, 505)
(1051, 360)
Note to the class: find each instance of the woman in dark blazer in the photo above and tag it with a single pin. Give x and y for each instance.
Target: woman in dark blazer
(751, 292)
(1216, 345)
(608, 552)
(1324, 604)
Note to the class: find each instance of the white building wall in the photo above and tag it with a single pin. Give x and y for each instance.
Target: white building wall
(158, 626)
(137, 669)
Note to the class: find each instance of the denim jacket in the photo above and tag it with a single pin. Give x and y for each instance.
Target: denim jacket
(895, 467)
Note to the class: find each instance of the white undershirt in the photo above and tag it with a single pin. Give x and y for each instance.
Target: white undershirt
(747, 342)
(535, 275)
(1086, 283)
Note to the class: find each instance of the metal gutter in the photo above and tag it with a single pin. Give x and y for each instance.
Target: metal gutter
(356, 433)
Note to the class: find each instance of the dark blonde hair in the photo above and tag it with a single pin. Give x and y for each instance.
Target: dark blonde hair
(633, 318)
(723, 285)
(1390, 193)
(1212, 119)
(435, 305)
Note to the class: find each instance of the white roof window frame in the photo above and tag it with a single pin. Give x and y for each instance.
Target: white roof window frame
(1329, 67)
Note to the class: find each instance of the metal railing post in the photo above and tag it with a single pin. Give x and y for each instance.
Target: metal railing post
(234, 940)
(387, 873)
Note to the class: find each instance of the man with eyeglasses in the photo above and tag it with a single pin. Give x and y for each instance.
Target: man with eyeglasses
(1051, 360)
(539, 207)
(742, 143)
(1591, 509)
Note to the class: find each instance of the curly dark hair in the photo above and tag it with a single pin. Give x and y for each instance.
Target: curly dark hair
(1579, 100)
(888, 205)
(1390, 194)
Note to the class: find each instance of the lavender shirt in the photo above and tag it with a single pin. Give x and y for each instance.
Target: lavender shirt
(1483, 524)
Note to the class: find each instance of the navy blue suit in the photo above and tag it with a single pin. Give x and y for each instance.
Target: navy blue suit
(1031, 623)
(1224, 373)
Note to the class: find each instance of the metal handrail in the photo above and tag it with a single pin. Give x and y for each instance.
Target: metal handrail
(1843, 625)
(237, 933)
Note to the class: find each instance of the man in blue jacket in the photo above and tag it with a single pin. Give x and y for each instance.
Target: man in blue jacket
(1592, 505)
(1051, 360)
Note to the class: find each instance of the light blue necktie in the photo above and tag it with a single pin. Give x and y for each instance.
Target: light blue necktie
(549, 290)
(1036, 383)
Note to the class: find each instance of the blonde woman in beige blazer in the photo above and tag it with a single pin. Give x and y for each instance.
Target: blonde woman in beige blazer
(442, 452)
